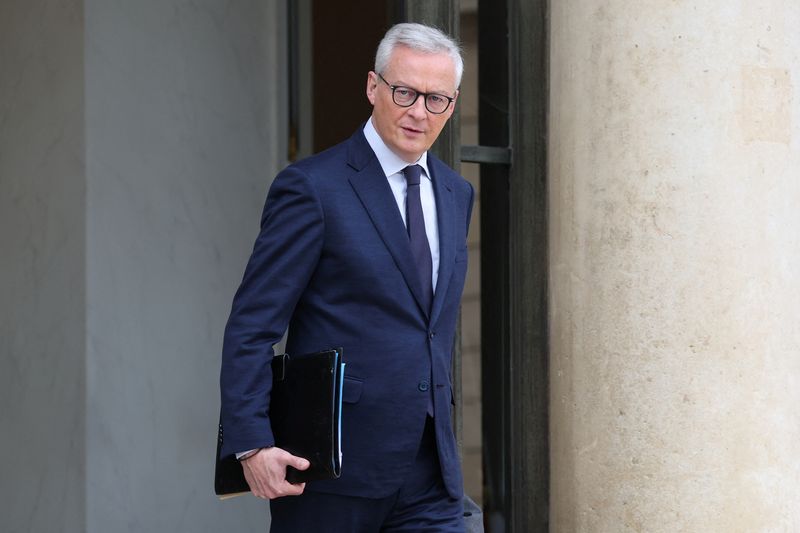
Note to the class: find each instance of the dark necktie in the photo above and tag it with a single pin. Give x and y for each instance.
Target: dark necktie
(415, 224)
(420, 249)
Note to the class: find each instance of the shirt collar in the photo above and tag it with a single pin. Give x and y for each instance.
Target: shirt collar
(391, 163)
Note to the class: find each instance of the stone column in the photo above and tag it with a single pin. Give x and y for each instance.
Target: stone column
(675, 266)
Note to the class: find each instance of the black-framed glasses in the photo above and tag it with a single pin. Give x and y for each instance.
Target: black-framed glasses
(406, 97)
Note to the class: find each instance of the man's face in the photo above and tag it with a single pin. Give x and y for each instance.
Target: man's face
(409, 131)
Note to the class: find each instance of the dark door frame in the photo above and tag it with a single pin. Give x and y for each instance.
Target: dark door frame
(513, 113)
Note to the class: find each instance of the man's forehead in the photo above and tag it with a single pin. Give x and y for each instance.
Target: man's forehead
(436, 69)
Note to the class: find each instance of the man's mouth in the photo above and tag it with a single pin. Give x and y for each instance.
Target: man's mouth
(413, 131)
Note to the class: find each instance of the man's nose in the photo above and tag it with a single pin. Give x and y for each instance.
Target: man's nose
(418, 109)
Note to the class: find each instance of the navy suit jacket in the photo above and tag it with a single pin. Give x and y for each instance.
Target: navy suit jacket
(333, 263)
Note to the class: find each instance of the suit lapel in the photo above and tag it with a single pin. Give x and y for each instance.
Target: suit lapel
(375, 194)
(446, 214)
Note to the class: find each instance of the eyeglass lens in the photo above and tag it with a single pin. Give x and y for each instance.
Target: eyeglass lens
(403, 96)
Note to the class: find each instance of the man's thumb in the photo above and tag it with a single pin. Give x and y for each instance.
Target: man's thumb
(300, 463)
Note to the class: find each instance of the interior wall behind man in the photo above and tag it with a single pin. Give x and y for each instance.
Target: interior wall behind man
(42, 266)
(184, 132)
(137, 143)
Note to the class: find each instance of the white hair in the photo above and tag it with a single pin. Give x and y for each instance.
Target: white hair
(420, 38)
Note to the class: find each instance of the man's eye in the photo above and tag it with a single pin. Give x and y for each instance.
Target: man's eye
(435, 99)
(402, 91)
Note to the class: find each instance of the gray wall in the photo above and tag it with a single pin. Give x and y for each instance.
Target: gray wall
(135, 156)
(42, 266)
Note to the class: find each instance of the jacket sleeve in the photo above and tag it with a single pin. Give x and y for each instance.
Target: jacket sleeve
(284, 258)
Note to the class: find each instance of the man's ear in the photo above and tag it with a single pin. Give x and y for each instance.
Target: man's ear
(372, 86)
(452, 107)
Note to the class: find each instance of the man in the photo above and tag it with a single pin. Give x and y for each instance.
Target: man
(363, 246)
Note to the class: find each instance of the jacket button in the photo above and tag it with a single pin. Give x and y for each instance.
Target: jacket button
(423, 386)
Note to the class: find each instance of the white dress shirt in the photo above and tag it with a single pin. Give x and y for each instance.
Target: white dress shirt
(393, 166)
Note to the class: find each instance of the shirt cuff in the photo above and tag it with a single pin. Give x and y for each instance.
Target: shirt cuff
(244, 455)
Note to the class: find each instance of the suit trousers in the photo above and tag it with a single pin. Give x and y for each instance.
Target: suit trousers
(421, 505)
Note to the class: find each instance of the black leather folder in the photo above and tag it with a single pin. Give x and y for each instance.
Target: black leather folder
(305, 412)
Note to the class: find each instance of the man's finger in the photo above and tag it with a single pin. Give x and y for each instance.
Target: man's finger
(292, 460)
(300, 463)
(293, 490)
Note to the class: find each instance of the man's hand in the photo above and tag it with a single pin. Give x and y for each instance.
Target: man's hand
(265, 472)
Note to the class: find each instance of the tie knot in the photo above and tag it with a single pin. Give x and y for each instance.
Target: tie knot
(412, 173)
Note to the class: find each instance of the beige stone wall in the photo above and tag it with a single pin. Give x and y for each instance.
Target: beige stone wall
(675, 262)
